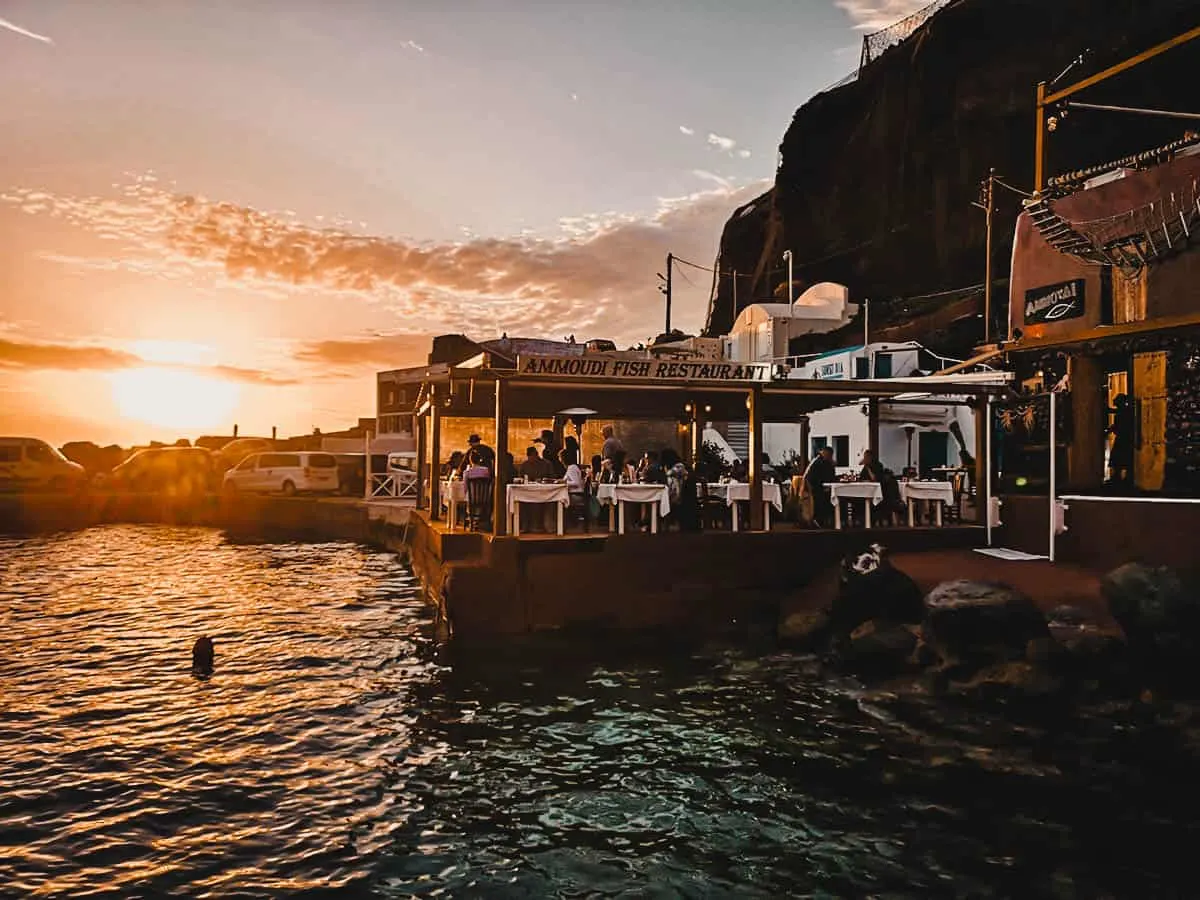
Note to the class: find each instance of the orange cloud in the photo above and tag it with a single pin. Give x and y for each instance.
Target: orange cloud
(595, 278)
(76, 357)
(381, 351)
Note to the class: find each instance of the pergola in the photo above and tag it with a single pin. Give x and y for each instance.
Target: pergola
(503, 394)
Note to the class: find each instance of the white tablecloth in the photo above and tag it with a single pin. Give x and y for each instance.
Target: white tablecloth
(741, 491)
(608, 494)
(537, 493)
(927, 490)
(855, 490)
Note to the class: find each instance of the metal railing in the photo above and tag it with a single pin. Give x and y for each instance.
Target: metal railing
(393, 485)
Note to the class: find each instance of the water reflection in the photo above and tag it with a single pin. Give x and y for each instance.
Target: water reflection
(336, 750)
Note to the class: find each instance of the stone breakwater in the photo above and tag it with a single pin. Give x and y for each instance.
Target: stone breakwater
(985, 639)
(297, 518)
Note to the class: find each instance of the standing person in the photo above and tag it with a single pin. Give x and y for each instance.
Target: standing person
(550, 451)
(479, 468)
(1120, 455)
(681, 488)
(612, 444)
(821, 472)
(533, 470)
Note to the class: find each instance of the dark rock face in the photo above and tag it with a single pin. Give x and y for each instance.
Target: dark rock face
(1159, 611)
(970, 623)
(871, 588)
(879, 648)
(877, 177)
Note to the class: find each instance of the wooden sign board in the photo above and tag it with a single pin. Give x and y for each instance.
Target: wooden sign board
(644, 369)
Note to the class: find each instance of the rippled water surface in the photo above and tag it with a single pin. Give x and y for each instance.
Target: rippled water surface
(337, 751)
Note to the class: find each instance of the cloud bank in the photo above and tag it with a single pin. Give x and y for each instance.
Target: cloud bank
(872, 15)
(596, 278)
(30, 355)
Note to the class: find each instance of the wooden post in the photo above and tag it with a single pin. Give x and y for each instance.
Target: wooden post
(754, 466)
(873, 426)
(1039, 142)
(422, 463)
(697, 432)
(435, 454)
(983, 460)
(500, 495)
(1089, 416)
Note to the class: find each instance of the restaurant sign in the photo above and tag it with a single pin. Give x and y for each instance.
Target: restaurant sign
(644, 369)
(1055, 302)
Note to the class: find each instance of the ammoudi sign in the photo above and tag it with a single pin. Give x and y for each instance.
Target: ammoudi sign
(644, 369)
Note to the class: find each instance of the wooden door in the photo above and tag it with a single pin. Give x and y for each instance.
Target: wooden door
(1150, 395)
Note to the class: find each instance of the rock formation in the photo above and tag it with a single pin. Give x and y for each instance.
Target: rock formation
(878, 176)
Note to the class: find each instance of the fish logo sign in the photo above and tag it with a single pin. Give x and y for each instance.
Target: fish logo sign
(1055, 302)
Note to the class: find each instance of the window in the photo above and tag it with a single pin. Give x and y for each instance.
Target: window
(39, 453)
(10, 453)
(883, 365)
(841, 450)
(862, 367)
(247, 464)
(279, 461)
(817, 444)
(322, 461)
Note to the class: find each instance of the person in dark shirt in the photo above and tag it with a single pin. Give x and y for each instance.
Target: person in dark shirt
(872, 469)
(821, 472)
(652, 471)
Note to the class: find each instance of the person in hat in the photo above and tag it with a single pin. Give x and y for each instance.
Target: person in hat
(478, 470)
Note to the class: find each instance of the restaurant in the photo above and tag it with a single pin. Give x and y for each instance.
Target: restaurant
(502, 578)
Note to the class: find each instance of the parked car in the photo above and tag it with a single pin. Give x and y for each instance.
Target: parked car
(172, 470)
(287, 472)
(31, 464)
(238, 449)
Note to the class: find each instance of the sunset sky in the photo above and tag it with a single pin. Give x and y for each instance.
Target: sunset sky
(226, 211)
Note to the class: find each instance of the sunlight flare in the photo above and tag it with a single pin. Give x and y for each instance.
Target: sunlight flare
(174, 399)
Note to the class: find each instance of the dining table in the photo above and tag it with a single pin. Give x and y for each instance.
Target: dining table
(870, 492)
(735, 492)
(615, 496)
(939, 493)
(536, 492)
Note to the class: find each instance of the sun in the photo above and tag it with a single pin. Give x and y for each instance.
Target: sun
(171, 398)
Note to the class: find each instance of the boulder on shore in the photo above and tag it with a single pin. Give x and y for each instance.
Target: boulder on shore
(973, 623)
(878, 648)
(1159, 612)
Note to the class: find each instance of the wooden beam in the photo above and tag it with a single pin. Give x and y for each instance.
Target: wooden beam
(422, 464)
(500, 488)
(1039, 143)
(754, 463)
(1104, 332)
(1124, 66)
(435, 454)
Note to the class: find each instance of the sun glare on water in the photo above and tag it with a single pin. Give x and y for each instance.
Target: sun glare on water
(169, 395)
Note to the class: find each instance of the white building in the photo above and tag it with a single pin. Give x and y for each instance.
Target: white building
(762, 331)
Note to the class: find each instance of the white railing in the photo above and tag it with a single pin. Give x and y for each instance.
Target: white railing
(393, 485)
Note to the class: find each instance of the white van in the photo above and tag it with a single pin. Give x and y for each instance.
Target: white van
(286, 472)
(27, 463)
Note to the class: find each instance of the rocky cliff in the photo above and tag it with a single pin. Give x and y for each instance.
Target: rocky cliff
(877, 177)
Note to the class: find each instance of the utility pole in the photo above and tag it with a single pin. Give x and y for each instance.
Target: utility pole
(866, 323)
(665, 288)
(987, 198)
(735, 307)
(787, 254)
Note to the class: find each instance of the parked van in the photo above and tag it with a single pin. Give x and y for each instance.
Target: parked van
(178, 471)
(286, 472)
(30, 464)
